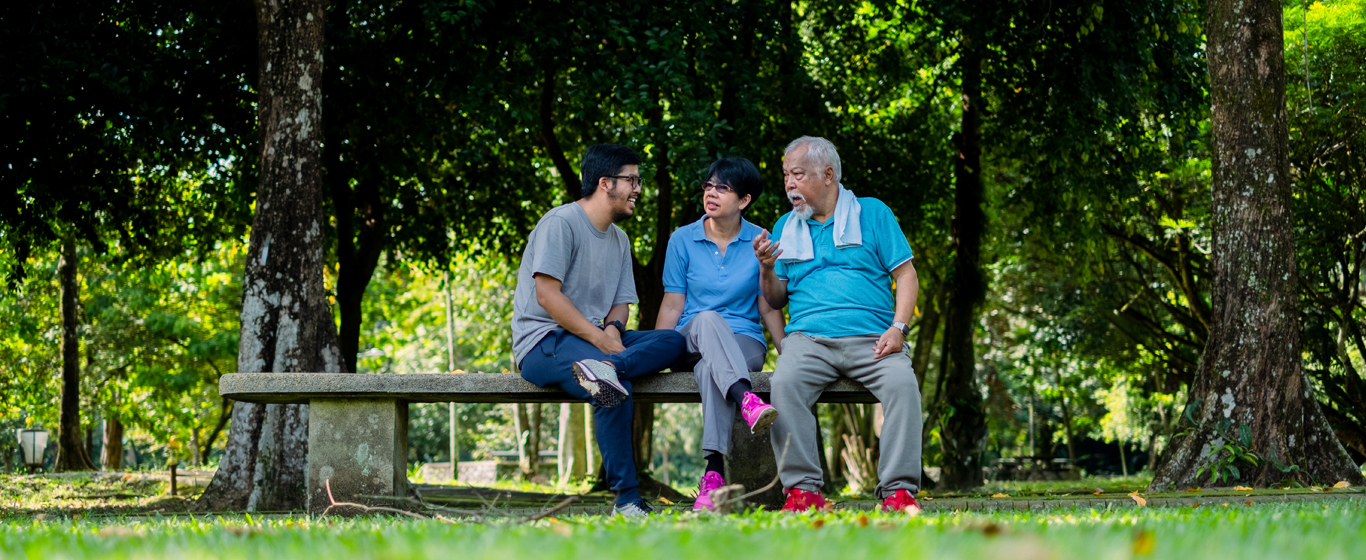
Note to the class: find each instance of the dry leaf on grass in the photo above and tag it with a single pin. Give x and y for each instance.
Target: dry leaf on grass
(1000, 495)
(1241, 488)
(1342, 484)
(817, 524)
(665, 501)
(862, 520)
(1144, 543)
(1140, 500)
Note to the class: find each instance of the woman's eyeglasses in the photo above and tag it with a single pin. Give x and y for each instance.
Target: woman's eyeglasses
(719, 188)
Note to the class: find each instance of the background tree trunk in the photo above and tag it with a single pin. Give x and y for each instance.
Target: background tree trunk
(287, 325)
(71, 451)
(573, 443)
(111, 453)
(927, 328)
(1250, 390)
(963, 428)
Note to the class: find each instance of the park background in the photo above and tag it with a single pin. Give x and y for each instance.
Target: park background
(1064, 317)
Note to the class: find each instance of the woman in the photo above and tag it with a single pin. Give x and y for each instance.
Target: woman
(711, 285)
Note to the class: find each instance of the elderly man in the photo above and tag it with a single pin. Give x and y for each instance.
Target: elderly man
(833, 260)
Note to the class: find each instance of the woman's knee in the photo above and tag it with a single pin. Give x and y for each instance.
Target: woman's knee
(712, 319)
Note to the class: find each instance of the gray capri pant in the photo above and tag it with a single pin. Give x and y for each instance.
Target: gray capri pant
(722, 358)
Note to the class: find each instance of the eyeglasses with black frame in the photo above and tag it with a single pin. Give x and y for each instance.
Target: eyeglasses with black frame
(635, 180)
(720, 188)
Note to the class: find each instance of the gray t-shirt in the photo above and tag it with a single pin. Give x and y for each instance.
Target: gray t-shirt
(594, 267)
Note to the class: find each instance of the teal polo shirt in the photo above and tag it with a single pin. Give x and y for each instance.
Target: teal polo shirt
(845, 292)
(727, 284)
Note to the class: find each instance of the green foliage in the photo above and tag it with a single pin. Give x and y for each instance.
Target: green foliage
(155, 340)
(126, 121)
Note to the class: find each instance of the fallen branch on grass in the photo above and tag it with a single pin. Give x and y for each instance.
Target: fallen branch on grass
(479, 516)
(333, 503)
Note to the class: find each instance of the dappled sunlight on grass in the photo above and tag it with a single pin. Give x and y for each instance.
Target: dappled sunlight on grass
(1317, 530)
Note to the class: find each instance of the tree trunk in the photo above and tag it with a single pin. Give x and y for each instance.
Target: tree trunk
(924, 338)
(196, 459)
(362, 234)
(111, 453)
(572, 461)
(642, 436)
(71, 451)
(1066, 419)
(528, 424)
(572, 184)
(649, 279)
(1250, 391)
(223, 415)
(963, 432)
(287, 325)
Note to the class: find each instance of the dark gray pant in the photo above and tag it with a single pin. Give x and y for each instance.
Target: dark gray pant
(722, 358)
(805, 367)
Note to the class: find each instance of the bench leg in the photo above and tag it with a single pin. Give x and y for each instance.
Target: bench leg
(361, 447)
(754, 466)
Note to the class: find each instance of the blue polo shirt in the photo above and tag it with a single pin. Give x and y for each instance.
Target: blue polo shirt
(845, 292)
(727, 284)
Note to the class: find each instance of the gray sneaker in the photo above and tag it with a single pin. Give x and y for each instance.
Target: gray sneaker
(634, 509)
(599, 378)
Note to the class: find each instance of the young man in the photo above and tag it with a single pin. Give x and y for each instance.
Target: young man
(574, 291)
(839, 257)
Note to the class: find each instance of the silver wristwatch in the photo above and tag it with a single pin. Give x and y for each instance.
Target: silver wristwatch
(903, 327)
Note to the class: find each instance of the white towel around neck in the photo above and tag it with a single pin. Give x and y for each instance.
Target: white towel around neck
(796, 238)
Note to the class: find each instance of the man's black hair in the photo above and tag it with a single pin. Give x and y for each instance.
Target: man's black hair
(740, 174)
(603, 160)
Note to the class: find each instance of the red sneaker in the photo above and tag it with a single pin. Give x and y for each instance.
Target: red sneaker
(799, 500)
(901, 501)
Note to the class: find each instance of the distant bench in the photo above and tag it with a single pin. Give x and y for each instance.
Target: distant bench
(358, 423)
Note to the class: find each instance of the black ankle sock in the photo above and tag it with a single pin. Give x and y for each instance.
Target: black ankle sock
(736, 393)
(716, 462)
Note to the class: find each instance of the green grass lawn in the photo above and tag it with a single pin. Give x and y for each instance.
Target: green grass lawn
(1292, 530)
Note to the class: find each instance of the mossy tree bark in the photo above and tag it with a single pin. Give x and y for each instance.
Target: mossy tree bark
(287, 325)
(1250, 393)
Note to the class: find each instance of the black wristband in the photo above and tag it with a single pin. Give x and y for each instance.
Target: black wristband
(620, 327)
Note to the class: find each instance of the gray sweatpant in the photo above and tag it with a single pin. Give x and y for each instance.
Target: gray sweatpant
(722, 358)
(805, 367)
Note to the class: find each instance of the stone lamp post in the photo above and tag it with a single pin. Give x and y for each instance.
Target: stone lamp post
(32, 444)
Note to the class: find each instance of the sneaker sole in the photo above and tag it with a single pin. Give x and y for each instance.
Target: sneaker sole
(765, 419)
(604, 395)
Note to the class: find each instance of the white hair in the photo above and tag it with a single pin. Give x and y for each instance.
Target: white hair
(820, 153)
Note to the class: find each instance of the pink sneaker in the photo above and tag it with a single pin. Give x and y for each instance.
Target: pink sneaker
(759, 414)
(711, 480)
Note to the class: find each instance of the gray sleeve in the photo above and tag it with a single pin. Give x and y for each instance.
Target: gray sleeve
(552, 248)
(626, 287)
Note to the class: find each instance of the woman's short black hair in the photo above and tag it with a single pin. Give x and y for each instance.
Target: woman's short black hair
(603, 160)
(740, 174)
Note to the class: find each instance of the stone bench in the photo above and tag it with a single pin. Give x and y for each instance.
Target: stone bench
(358, 423)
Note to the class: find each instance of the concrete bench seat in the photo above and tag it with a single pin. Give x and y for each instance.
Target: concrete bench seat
(300, 388)
(358, 423)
